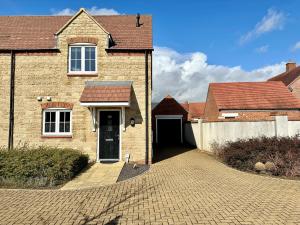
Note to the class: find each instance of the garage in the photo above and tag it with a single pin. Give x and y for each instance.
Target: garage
(168, 120)
(169, 130)
(168, 117)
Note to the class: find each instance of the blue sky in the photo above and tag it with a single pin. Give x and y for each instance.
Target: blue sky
(249, 36)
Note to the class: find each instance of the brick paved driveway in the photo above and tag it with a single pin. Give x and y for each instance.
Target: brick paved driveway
(190, 188)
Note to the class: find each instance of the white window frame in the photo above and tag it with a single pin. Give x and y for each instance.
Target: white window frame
(57, 118)
(82, 45)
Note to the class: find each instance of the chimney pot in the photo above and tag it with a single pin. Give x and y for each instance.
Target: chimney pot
(138, 20)
(290, 66)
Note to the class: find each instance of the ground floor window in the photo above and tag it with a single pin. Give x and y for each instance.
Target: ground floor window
(57, 122)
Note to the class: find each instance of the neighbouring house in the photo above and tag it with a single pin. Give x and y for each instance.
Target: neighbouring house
(79, 81)
(169, 117)
(290, 78)
(241, 110)
(250, 101)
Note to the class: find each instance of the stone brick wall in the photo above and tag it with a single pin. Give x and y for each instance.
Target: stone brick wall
(4, 97)
(46, 75)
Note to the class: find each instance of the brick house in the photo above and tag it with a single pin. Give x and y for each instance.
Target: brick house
(290, 78)
(250, 101)
(82, 82)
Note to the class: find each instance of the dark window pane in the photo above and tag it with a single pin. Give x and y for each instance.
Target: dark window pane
(52, 127)
(67, 116)
(47, 115)
(90, 65)
(90, 53)
(90, 56)
(61, 127)
(87, 65)
(93, 65)
(76, 65)
(76, 59)
(53, 116)
(75, 52)
(67, 127)
(61, 116)
(47, 128)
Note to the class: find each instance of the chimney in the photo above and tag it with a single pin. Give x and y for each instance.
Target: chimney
(290, 65)
(138, 20)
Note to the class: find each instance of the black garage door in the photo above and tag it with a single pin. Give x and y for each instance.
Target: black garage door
(168, 131)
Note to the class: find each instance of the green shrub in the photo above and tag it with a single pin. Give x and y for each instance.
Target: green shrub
(284, 152)
(39, 166)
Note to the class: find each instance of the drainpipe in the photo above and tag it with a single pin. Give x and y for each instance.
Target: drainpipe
(147, 106)
(12, 101)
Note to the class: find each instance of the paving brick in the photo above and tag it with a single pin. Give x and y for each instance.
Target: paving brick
(190, 188)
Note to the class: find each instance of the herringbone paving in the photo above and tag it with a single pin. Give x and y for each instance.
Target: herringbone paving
(190, 188)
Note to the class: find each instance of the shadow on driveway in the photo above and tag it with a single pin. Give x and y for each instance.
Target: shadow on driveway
(161, 153)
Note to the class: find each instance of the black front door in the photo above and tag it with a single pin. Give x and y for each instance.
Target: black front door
(109, 135)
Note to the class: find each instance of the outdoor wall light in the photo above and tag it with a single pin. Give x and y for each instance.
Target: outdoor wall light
(132, 122)
(39, 98)
(49, 98)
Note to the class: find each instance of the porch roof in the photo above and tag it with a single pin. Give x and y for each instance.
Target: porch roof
(106, 93)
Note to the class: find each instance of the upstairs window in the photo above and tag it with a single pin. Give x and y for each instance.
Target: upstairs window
(82, 59)
(57, 122)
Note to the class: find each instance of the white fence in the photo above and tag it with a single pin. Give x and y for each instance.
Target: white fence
(204, 134)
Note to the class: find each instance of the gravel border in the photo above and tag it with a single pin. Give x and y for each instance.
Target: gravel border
(131, 170)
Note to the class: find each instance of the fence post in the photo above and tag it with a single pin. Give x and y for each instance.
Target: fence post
(281, 126)
(200, 136)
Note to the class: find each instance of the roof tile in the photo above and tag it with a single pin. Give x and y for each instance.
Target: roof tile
(37, 32)
(253, 95)
(287, 77)
(102, 93)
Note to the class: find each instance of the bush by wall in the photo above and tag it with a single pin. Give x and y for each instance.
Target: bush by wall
(281, 155)
(39, 166)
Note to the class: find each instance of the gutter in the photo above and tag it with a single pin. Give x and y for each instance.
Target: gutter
(147, 106)
(12, 100)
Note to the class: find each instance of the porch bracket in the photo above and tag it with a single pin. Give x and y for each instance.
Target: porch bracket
(123, 120)
(93, 113)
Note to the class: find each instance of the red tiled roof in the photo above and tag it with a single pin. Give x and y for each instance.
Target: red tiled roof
(37, 32)
(106, 92)
(287, 77)
(196, 110)
(169, 106)
(253, 95)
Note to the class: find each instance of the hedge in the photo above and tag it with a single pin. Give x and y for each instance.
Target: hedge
(282, 152)
(39, 166)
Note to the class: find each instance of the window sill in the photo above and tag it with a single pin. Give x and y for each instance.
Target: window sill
(57, 136)
(82, 74)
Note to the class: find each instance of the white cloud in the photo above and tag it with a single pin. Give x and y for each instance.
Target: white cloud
(274, 20)
(186, 76)
(64, 12)
(93, 11)
(296, 46)
(262, 49)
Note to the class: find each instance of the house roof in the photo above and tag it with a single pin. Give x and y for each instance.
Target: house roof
(287, 77)
(38, 32)
(253, 96)
(194, 109)
(110, 91)
(169, 106)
